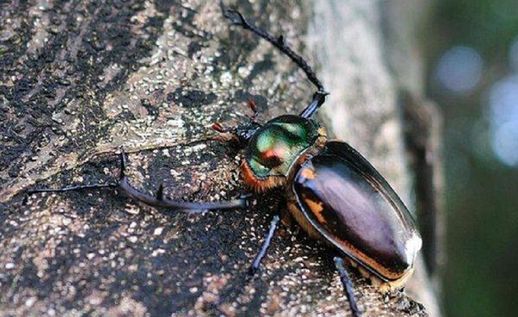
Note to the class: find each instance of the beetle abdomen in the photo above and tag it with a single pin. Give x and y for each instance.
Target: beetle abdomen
(352, 207)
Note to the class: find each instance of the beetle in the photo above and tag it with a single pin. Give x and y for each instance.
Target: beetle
(331, 190)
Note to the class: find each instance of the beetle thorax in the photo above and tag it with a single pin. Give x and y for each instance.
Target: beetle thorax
(274, 149)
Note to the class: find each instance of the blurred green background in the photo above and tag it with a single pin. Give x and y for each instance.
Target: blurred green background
(473, 76)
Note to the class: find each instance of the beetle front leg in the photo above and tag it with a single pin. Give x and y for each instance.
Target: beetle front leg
(264, 247)
(347, 284)
(72, 188)
(157, 200)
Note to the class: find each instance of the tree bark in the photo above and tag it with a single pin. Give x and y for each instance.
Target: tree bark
(81, 80)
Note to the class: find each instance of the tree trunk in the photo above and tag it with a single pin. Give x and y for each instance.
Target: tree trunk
(80, 80)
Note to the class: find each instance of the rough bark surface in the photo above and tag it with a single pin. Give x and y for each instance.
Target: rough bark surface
(79, 80)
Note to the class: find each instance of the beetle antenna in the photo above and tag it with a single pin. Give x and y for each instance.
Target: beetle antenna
(236, 18)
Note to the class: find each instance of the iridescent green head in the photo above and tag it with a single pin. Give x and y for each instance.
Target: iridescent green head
(274, 148)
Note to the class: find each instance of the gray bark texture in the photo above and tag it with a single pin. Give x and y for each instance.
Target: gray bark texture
(81, 79)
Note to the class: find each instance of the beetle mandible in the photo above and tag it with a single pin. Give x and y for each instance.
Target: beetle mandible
(331, 190)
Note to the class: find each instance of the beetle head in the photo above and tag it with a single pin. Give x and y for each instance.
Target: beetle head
(239, 136)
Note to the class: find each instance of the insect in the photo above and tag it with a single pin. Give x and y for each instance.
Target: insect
(331, 190)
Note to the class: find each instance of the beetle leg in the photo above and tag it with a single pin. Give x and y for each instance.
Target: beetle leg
(264, 247)
(157, 200)
(72, 188)
(318, 99)
(347, 284)
(236, 18)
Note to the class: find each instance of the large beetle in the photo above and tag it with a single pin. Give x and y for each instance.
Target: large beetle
(335, 194)
(332, 191)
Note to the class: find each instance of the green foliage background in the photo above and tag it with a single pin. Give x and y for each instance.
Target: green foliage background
(481, 277)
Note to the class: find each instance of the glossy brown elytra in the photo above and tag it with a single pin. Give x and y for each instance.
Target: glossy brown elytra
(339, 197)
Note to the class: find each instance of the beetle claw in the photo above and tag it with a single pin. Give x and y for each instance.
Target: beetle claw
(160, 192)
(252, 270)
(235, 17)
(281, 40)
